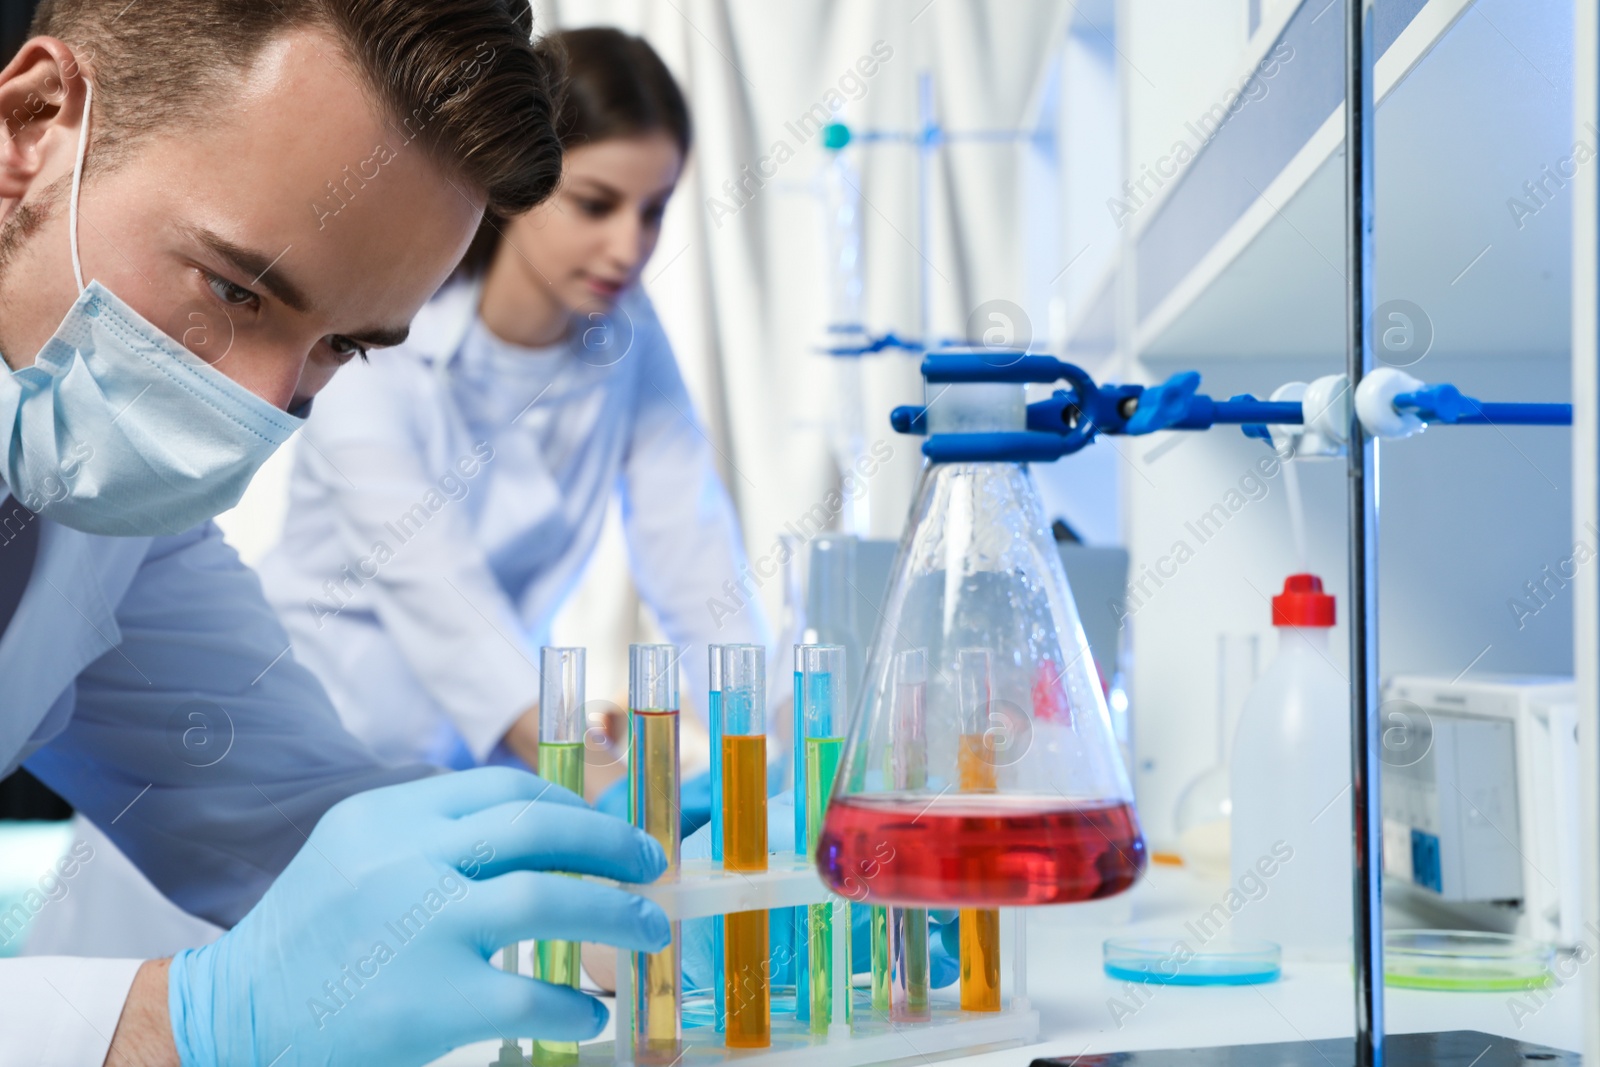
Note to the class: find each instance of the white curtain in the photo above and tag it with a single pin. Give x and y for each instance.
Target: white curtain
(744, 293)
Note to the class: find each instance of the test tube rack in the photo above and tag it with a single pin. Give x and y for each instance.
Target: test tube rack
(703, 890)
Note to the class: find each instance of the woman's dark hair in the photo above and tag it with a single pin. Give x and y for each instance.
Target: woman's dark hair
(615, 86)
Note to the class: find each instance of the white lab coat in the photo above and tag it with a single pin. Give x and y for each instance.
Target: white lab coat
(148, 682)
(446, 497)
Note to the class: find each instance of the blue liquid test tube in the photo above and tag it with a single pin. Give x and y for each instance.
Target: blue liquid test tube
(714, 718)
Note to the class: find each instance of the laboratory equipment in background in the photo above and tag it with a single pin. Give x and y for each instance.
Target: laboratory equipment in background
(1187, 960)
(1203, 818)
(1291, 787)
(653, 772)
(979, 569)
(1481, 803)
(1462, 961)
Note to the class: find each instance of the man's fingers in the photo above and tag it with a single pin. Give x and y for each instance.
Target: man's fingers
(525, 906)
(463, 793)
(519, 1007)
(537, 837)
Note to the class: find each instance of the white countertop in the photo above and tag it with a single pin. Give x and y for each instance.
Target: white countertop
(1311, 1000)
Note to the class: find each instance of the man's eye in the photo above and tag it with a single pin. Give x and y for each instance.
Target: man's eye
(346, 349)
(228, 293)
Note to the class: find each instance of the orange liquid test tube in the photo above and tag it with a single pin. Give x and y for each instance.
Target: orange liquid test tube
(975, 770)
(747, 992)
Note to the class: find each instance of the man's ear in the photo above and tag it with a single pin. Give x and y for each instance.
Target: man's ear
(41, 104)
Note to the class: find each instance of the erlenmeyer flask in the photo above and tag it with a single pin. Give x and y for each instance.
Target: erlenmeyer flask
(977, 571)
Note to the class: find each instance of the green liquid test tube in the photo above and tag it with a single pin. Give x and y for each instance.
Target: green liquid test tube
(653, 806)
(561, 730)
(821, 704)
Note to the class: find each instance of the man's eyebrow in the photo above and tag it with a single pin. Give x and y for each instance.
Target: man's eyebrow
(381, 336)
(261, 269)
(266, 272)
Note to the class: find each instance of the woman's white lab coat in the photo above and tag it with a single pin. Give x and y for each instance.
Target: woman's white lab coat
(446, 497)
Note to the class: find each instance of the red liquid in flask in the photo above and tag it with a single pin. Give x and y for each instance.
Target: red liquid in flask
(978, 851)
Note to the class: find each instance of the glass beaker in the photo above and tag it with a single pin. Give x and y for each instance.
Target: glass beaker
(977, 570)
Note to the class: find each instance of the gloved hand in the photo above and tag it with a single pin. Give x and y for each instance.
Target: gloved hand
(373, 945)
(694, 803)
(699, 935)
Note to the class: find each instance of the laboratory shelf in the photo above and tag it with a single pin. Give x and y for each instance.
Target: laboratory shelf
(1242, 254)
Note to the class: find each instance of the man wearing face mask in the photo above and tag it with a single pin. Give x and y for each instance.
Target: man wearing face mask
(198, 225)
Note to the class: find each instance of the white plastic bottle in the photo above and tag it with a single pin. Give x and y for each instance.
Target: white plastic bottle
(1291, 859)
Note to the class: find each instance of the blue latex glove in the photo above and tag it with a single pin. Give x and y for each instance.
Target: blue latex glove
(944, 942)
(373, 945)
(694, 803)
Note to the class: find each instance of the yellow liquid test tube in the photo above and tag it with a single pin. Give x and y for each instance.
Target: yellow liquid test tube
(821, 695)
(747, 993)
(976, 773)
(907, 753)
(653, 806)
(561, 732)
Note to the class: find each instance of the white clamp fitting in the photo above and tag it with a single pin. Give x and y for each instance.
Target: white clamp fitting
(1326, 406)
(1375, 403)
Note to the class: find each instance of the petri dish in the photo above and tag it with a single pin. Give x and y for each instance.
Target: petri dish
(1465, 961)
(1176, 961)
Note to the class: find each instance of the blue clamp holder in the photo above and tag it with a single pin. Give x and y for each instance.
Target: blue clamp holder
(1071, 418)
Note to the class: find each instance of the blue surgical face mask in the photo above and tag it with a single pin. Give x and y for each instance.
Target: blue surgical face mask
(119, 429)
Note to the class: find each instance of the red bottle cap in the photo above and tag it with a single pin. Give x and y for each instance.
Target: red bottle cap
(1302, 603)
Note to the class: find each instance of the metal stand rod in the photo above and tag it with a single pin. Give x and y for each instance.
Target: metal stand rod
(1359, 119)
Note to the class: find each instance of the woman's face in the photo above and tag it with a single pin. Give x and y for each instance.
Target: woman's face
(592, 238)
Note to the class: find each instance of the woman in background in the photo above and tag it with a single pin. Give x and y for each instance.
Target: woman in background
(447, 496)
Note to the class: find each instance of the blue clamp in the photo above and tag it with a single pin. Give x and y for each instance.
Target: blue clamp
(872, 345)
(1445, 403)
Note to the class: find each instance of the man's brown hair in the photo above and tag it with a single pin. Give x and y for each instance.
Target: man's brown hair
(461, 78)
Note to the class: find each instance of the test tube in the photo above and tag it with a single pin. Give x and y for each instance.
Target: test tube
(561, 730)
(799, 916)
(714, 719)
(821, 702)
(908, 770)
(743, 736)
(975, 773)
(653, 807)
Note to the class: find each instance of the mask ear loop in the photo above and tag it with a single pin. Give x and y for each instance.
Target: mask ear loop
(77, 181)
